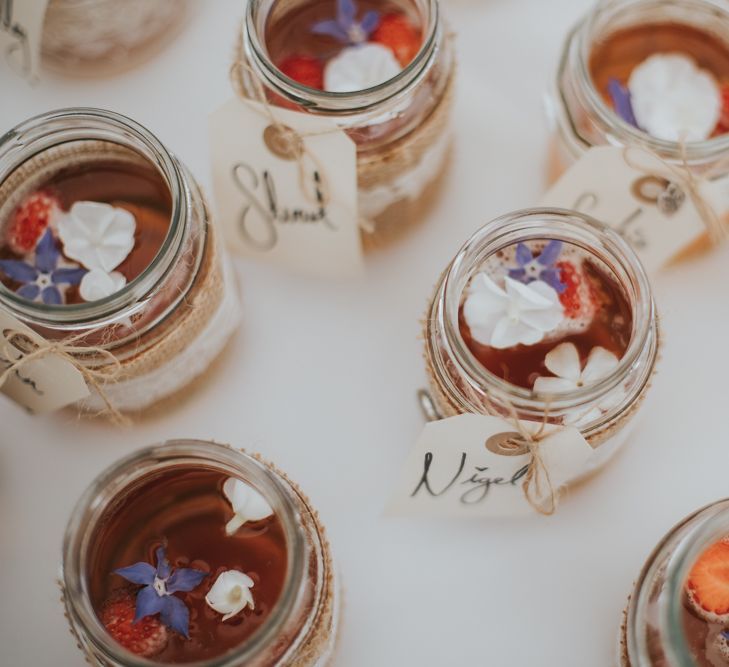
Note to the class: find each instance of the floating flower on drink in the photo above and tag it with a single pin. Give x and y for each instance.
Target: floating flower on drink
(160, 584)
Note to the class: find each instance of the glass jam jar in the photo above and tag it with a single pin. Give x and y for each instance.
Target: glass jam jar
(651, 73)
(547, 315)
(106, 240)
(220, 555)
(383, 69)
(678, 614)
(90, 36)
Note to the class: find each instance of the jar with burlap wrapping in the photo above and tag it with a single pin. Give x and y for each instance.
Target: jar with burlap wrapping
(678, 612)
(545, 315)
(162, 329)
(592, 104)
(400, 127)
(300, 628)
(83, 37)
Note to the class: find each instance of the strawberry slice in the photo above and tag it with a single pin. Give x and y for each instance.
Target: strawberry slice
(147, 637)
(708, 583)
(396, 32)
(29, 221)
(305, 70)
(570, 298)
(723, 125)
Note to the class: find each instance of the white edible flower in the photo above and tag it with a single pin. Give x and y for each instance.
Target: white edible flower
(97, 235)
(359, 68)
(98, 284)
(247, 504)
(519, 314)
(231, 593)
(673, 99)
(564, 362)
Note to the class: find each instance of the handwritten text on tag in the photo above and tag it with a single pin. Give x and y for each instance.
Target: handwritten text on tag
(458, 468)
(21, 29)
(652, 213)
(286, 192)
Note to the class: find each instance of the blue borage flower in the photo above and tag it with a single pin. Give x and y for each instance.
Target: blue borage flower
(345, 28)
(543, 267)
(160, 584)
(725, 634)
(622, 101)
(40, 281)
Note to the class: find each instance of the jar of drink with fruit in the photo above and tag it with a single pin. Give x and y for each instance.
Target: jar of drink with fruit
(678, 614)
(192, 552)
(106, 241)
(546, 316)
(652, 73)
(383, 70)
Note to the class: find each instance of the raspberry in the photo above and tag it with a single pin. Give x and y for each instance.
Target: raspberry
(570, 298)
(723, 125)
(146, 638)
(396, 32)
(29, 222)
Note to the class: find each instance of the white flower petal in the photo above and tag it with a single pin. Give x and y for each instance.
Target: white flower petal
(673, 99)
(247, 503)
(482, 314)
(600, 364)
(531, 296)
(564, 362)
(231, 593)
(550, 385)
(98, 284)
(509, 332)
(543, 320)
(360, 67)
(97, 235)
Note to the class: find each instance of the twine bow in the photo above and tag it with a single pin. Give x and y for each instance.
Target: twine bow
(537, 476)
(688, 179)
(286, 141)
(68, 350)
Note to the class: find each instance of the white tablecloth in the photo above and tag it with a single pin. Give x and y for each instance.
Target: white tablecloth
(322, 380)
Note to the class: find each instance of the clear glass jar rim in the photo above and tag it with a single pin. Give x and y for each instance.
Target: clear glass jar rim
(349, 102)
(189, 452)
(36, 129)
(490, 239)
(580, 37)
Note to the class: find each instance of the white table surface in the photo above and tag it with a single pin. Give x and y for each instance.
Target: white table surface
(322, 379)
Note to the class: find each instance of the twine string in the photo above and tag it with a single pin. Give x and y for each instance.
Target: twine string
(537, 476)
(67, 349)
(687, 178)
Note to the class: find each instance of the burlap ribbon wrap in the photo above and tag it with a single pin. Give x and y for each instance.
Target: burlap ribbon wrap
(107, 364)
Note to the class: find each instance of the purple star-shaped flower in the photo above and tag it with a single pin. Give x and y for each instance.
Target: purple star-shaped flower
(41, 279)
(543, 267)
(345, 27)
(160, 584)
(622, 101)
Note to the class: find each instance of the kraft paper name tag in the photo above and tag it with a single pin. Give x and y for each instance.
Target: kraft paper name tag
(288, 197)
(21, 30)
(655, 215)
(460, 467)
(43, 385)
